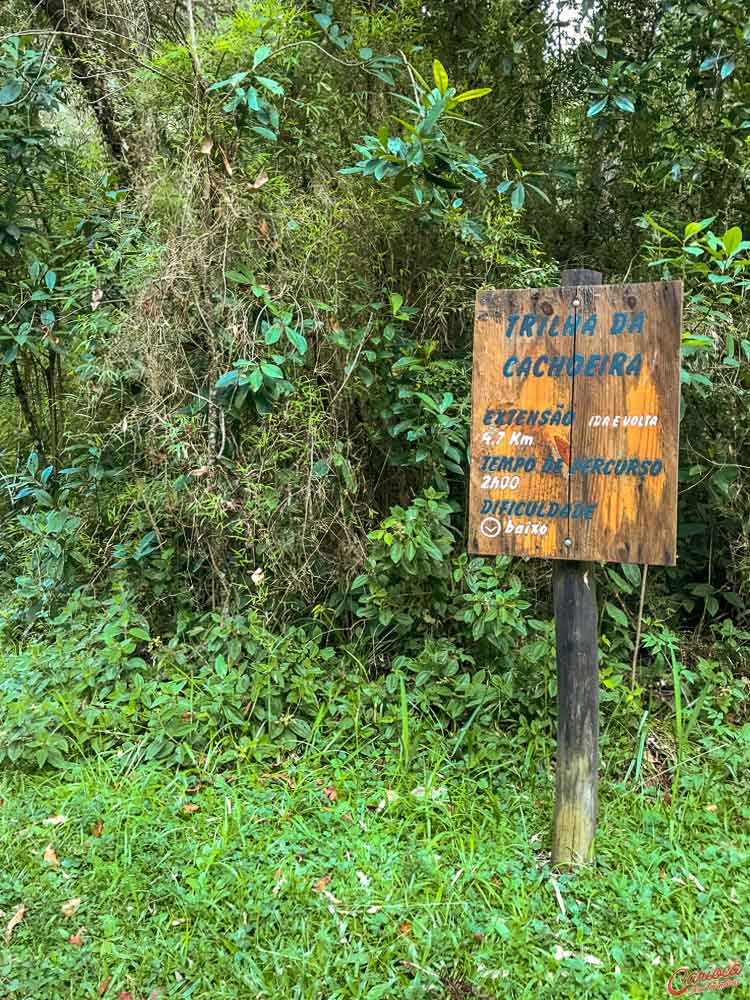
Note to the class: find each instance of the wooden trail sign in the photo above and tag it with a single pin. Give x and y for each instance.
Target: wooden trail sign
(575, 413)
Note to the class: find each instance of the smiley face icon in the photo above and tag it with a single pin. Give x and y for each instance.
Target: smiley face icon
(490, 527)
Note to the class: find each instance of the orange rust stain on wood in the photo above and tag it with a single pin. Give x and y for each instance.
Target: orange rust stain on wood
(563, 448)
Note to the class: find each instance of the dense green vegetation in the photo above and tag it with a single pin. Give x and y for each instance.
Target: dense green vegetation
(239, 249)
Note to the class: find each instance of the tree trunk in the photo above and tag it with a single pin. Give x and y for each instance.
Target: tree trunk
(75, 37)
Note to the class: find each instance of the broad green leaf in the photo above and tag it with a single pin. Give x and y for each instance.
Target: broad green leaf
(265, 132)
(50, 280)
(431, 118)
(732, 239)
(440, 75)
(601, 51)
(396, 302)
(471, 95)
(228, 379)
(727, 68)
(597, 107)
(56, 521)
(621, 582)
(273, 85)
(10, 91)
(695, 227)
(271, 371)
(231, 81)
(261, 55)
(617, 615)
(297, 339)
(518, 197)
(625, 104)
(238, 277)
(709, 62)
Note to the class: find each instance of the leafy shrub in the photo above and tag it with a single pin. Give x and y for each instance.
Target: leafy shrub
(105, 684)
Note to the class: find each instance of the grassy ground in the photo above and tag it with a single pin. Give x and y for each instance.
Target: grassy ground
(344, 875)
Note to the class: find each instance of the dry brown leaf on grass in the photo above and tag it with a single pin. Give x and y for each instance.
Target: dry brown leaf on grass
(330, 897)
(280, 881)
(104, 986)
(14, 921)
(189, 808)
(322, 883)
(280, 776)
(56, 820)
(404, 927)
(69, 908)
(96, 299)
(227, 164)
(331, 794)
(207, 145)
(259, 181)
(50, 856)
(97, 828)
(77, 938)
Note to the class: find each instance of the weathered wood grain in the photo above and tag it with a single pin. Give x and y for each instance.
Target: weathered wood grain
(491, 391)
(577, 763)
(615, 467)
(636, 515)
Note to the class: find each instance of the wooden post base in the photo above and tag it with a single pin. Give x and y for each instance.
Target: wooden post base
(574, 592)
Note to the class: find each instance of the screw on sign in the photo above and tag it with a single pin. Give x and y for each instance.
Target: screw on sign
(574, 442)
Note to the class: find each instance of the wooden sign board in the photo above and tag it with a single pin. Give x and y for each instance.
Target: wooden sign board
(575, 414)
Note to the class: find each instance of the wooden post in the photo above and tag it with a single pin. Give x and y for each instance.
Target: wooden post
(576, 631)
(553, 393)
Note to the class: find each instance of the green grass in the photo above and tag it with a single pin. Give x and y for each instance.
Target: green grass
(274, 887)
